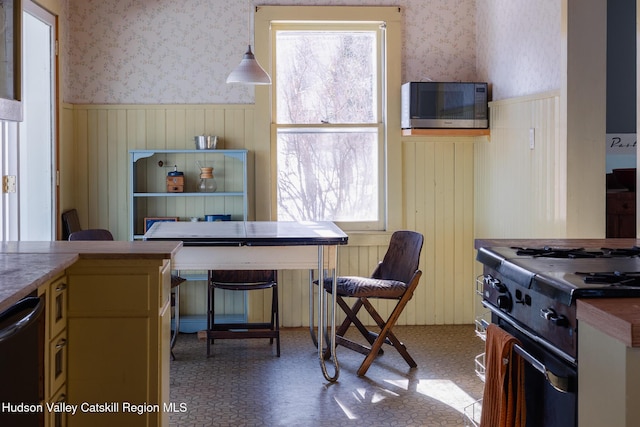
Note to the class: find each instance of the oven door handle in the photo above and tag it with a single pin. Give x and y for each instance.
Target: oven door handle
(559, 383)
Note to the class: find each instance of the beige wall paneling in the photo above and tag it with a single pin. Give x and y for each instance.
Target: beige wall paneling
(67, 159)
(463, 294)
(118, 156)
(437, 192)
(521, 192)
(293, 300)
(81, 176)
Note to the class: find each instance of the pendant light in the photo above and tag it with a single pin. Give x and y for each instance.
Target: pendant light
(249, 70)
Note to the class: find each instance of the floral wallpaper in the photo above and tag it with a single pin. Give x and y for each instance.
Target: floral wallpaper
(518, 46)
(169, 52)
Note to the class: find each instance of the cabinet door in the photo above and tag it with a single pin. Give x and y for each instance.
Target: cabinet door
(57, 306)
(55, 341)
(118, 346)
(57, 367)
(57, 418)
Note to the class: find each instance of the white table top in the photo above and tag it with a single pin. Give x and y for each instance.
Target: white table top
(249, 233)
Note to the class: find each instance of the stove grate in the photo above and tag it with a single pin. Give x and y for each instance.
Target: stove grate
(551, 252)
(614, 278)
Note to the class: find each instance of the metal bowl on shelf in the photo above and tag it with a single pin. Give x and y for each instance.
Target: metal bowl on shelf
(206, 142)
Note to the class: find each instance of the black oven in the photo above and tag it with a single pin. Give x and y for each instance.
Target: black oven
(531, 293)
(551, 383)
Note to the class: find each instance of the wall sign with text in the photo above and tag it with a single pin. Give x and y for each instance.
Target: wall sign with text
(621, 143)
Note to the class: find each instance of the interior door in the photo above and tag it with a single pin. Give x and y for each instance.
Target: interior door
(36, 141)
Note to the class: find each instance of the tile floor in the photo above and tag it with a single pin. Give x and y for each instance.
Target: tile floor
(245, 384)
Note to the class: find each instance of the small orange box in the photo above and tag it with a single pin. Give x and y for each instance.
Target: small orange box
(175, 184)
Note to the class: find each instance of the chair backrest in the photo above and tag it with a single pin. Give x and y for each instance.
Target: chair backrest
(402, 257)
(70, 223)
(243, 276)
(91, 234)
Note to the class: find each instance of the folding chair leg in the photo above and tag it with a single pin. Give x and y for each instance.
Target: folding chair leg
(386, 332)
(351, 317)
(386, 336)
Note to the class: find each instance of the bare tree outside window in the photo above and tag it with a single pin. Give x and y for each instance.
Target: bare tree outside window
(328, 131)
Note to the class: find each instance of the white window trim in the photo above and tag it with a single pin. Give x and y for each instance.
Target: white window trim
(264, 148)
(378, 124)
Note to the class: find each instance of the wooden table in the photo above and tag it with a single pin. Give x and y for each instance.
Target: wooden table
(260, 245)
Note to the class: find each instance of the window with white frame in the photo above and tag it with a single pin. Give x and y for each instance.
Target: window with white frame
(329, 121)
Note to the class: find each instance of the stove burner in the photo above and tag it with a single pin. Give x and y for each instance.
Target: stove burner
(614, 278)
(621, 252)
(550, 252)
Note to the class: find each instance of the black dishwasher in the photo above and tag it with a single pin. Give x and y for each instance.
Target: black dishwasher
(21, 363)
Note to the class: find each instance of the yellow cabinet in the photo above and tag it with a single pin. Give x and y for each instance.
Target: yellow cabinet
(57, 306)
(55, 349)
(57, 418)
(118, 330)
(57, 368)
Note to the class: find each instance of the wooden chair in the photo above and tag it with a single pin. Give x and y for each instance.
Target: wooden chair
(70, 223)
(91, 234)
(243, 280)
(395, 278)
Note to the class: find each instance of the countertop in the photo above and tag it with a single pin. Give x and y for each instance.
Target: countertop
(96, 249)
(24, 266)
(24, 273)
(616, 317)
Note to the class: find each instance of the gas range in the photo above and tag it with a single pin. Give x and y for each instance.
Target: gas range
(593, 273)
(536, 288)
(531, 289)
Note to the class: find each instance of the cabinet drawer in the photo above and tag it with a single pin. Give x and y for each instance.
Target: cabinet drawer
(621, 203)
(57, 417)
(57, 369)
(57, 306)
(115, 293)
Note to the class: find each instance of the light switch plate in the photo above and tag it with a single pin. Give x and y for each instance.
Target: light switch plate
(532, 138)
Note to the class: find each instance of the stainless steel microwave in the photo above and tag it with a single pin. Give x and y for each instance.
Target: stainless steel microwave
(439, 105)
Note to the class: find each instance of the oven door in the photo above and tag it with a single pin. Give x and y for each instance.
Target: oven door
(546, 405)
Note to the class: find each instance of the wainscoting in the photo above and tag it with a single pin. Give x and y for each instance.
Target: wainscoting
(521, 191)
(437, 193)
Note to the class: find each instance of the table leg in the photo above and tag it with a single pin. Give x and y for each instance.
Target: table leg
(322, 317)
(311, 310)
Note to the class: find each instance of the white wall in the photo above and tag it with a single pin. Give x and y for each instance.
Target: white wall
(518, 46)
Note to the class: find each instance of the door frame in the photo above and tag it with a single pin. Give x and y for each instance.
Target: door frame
(29, 6)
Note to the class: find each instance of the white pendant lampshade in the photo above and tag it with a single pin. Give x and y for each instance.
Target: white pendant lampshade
(249, 71)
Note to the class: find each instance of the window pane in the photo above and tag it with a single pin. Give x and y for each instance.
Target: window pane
(327, 76)
(330, 176)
